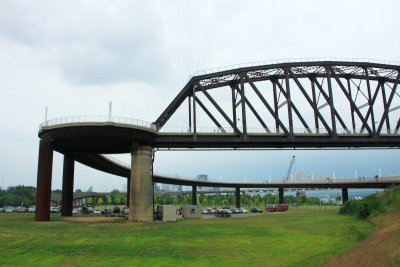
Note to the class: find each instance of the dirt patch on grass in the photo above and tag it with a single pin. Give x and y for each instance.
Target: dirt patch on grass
(380, 249)
(93, 219)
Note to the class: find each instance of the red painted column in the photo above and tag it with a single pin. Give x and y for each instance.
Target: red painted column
(43, 191)
(68, 185)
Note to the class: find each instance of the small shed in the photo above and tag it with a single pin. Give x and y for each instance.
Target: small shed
(192, 212)
(167, 213)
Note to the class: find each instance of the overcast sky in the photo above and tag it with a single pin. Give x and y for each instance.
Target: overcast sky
(76, 56)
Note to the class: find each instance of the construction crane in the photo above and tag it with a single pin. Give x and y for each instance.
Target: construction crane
(290, 168)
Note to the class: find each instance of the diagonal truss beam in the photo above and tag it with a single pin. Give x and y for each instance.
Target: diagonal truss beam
(210, 115)
(388, 103)
(339, 82)
(219, 109)
(327, 99)
(271, 111)
(294, 108)
(260, 120)
(313, 105)
(371, 103)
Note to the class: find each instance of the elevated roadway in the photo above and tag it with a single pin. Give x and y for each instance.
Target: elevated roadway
(301, 111)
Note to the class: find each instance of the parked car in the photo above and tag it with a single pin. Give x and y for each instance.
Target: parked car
(223, 213)
(204, 211)
(235, 211)
(32, 209)
(117, 210)
(96, 212)
(212, 211)
(256, 210)
(1, 209)
(126, 210)
(243, 210)
(227, 211)
(76, 211)
(55, 209)
(9, 209)
(87, 210)
(276, 207)
(106, 211)
(21, 209)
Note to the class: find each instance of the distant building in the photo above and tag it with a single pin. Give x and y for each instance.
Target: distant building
(165, 187)
(202, 177)
(157, 187)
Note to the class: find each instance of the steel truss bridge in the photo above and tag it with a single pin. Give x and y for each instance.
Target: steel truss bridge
(321, 104)
(324, 104)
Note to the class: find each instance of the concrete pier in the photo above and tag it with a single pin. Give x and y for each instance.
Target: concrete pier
(237, 197)
(345, 195)
(281, 197)
(141, 185)
(194, 195)
(128, 190)
(43, 193)
(68, 185)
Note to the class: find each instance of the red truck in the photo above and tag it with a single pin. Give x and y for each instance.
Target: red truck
(276, 207)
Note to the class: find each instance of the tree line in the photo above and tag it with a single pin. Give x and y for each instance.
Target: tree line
(26, 195)
(223, 200)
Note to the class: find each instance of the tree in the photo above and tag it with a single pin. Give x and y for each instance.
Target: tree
(20, 195)
(115, 197)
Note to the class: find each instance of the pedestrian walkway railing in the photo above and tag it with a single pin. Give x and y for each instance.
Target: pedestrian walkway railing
(98, 119)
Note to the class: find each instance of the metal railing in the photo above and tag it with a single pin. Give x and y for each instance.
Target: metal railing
(340, 180)
(290, 60)
(260, 130)
(97, 118)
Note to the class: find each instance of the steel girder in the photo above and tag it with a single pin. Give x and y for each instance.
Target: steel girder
(342, 97)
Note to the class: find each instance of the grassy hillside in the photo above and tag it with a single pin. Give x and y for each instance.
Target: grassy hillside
(374, 204)
(307, 237)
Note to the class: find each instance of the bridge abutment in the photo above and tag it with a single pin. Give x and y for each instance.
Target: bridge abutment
(141, 185)
(43, 192)
(237, 197)
(281, 197)
(345, 195)
(68, 185)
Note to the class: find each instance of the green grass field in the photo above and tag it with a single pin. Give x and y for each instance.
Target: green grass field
(307, 237)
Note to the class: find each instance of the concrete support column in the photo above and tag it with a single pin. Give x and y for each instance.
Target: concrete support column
(43, 191)
(68, 185)
(194, 195)
(141, 185)
(345, 195)
(128, 190)
(281, 197)
(237, 197)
